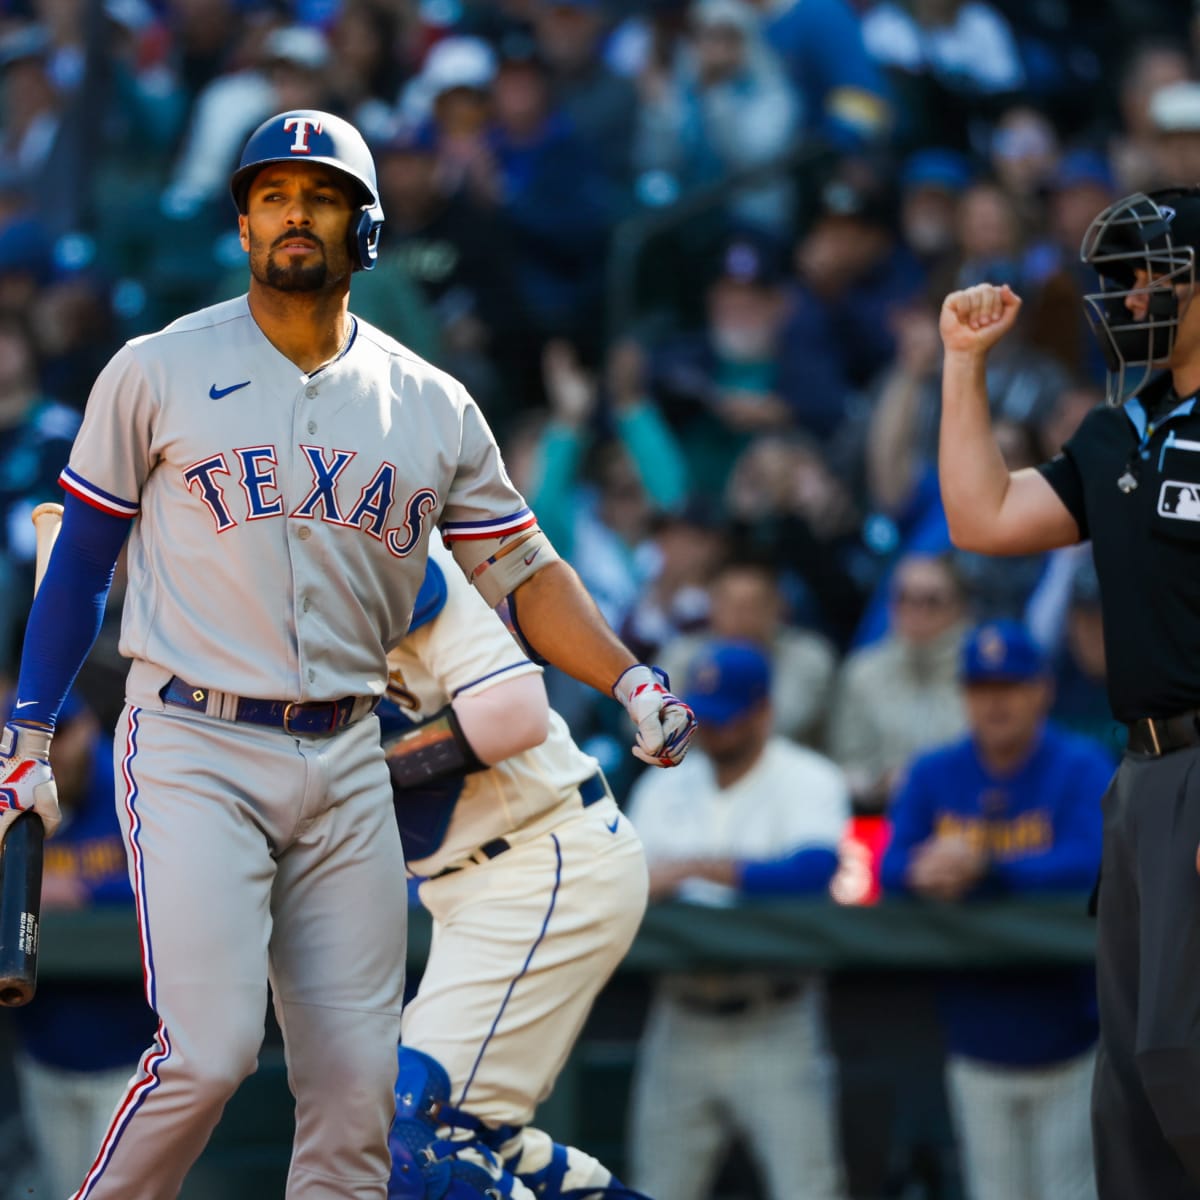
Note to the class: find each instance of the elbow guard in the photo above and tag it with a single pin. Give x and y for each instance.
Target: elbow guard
(434, 750)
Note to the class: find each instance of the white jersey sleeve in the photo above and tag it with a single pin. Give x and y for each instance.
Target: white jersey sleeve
(114, 451)
(466, 648)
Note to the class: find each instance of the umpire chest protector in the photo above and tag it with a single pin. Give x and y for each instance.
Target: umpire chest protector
(1130, 477)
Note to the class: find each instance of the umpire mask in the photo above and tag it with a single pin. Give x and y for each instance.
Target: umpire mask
(1155, 233)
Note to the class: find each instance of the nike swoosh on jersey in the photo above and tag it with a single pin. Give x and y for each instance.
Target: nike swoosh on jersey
(24, 703)
(531, 556)
(215, 393)
(613, 827)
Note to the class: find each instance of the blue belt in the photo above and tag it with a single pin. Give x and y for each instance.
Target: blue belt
(590, 790)
(309, 717)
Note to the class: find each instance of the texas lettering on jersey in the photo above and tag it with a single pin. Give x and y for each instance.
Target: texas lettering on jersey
(254, 469)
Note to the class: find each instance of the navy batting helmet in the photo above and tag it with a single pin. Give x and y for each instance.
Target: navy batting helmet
(306, 135)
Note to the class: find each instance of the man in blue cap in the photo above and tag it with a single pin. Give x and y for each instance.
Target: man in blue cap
(1012, 807)
(753, 814)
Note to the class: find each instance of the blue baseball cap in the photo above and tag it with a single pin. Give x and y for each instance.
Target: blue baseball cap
(938, 167)
(1001, 652)
(1084, 168)
(726, 681)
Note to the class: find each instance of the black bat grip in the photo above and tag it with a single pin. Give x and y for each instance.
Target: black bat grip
(20, 909)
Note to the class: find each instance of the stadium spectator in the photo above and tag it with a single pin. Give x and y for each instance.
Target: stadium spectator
(951, 65)
(1175, 113)
(852, 272)
(746, 603)
(900, 695)
(1011, 809)
(785, 501)
(1080, 670)
(1151, 65)
(843, 95)
(747, 815)
(36, 433)
(932, 181)
(600, 103)
(724, 104)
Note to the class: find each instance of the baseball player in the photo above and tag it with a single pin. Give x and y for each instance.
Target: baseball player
(1114, 483)
(278, 466)
(536, 884)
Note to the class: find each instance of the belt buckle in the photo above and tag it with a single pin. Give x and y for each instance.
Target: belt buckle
(287, 715)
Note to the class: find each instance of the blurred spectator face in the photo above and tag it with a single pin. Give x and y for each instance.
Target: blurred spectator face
(744, 319)
(1024, 150)
(720, 52)
(1073, 208)
(1175, 114)
(760, 482)
(927, 600)
(987, 227)
(520, 98)
(461, 112)
(28, 92)
(68, 315)
(624, 507)
(745, 605)
(18, 377)
(929, 219)
(407, 179)
(1153, 68)
(567, 35)
(739, 740)
(1005, 717)
(201, 26)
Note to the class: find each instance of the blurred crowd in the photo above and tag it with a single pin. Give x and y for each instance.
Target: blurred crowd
(687, 254)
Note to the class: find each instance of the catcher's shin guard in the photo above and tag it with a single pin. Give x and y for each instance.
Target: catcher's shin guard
(427, 1166)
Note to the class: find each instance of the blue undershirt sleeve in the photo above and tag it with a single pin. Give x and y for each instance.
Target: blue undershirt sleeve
(68, 609)
(806, 871)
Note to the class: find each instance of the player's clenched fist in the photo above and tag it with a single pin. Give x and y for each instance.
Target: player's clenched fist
(976, 318)
(664, 723)
(25, 778)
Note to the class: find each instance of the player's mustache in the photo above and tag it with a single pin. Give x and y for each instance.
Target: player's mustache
(310, 238)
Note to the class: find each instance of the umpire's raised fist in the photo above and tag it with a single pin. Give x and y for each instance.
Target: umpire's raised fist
(975, 319)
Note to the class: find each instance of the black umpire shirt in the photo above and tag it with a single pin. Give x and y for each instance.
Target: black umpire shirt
(1130, 477)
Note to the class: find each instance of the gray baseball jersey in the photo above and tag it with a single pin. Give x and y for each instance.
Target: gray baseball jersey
(285, 516)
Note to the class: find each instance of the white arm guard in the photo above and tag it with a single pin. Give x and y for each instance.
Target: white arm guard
(498, 566)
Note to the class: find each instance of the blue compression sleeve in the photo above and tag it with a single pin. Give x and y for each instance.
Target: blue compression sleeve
(68, 609)
(806, 871)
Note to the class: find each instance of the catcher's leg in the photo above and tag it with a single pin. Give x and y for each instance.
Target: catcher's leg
(436, 1154)
(557, 1172)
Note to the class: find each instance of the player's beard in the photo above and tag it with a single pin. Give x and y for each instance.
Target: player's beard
(293, 276)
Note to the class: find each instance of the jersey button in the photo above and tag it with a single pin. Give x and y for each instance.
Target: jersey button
(307, 604)
(311, 675)
(312, 427)
(305, 533)
(310, 392)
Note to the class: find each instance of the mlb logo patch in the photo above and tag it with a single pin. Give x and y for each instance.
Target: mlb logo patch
(1179, 500)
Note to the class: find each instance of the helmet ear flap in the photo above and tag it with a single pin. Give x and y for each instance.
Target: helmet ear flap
(364, 238)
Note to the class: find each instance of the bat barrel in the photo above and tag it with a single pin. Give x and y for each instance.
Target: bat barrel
(20, 907)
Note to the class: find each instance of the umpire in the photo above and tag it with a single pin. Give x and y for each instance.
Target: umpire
(1129, 479)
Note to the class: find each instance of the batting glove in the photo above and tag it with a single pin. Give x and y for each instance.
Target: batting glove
(26, 781)
(664, 723)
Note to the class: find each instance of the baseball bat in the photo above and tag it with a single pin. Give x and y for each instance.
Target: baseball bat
(21, 850)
